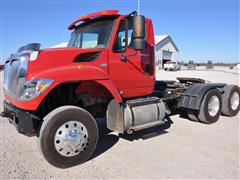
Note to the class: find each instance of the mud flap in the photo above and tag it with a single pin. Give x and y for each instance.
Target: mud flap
(193, 96)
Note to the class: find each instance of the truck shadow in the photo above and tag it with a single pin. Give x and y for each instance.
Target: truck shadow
(147, 133)
(107, 140)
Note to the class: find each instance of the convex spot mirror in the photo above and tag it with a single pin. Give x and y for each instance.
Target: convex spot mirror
(139, 40)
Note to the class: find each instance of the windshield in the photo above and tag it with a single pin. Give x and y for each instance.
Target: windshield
(94, 34)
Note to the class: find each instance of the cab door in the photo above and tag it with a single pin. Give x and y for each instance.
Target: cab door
(129, 69)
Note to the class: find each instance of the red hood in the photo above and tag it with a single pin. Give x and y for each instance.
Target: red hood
(55, 57)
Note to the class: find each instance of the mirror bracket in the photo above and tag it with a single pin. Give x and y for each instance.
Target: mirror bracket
(124, 56)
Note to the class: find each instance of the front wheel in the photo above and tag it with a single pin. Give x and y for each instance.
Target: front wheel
(68, 136)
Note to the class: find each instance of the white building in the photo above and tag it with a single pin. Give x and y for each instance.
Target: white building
(165, 50)
(64, 44)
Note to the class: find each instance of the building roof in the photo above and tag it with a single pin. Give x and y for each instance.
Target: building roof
(160, 38)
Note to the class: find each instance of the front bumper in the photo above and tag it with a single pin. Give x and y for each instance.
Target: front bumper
(22, 120)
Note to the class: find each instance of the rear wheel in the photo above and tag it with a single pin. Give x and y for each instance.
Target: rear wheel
(210, 108)
(68, 136)
(231, 100)
(193, 117)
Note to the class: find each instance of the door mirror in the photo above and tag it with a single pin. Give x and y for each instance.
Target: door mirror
(139, 40)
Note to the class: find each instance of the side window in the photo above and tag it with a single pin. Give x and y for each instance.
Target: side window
(120, 40)
(130, 33)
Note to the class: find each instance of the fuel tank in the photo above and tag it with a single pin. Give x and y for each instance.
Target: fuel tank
(136, 114)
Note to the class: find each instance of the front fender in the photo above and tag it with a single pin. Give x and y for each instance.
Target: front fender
(67, 74)
(111, 88)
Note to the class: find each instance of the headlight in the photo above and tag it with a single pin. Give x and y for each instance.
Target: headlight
(31, 89)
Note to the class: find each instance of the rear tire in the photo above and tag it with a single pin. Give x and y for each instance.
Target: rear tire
(231, 100)
(79, 136)
(193, 117)
(210, 109)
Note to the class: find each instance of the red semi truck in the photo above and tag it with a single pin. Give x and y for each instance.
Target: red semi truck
(107, 70)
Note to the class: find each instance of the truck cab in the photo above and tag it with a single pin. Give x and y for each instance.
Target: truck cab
(113, 36)
(107, 70)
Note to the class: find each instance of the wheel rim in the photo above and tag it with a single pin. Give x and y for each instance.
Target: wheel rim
(71, 138)
(234, 100)
(213, 106)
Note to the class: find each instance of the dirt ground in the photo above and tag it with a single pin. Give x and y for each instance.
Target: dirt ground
(184, 149)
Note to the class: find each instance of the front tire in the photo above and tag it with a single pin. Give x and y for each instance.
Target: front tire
(68, 136)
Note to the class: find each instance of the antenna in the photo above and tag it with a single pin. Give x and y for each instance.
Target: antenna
(138, 7)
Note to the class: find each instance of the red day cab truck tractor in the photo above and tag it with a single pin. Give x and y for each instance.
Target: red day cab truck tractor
(107, 70)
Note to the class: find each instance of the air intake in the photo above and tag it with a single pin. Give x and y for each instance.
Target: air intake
(87, 57)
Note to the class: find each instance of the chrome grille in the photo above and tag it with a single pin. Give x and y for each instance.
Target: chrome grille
(14, 74)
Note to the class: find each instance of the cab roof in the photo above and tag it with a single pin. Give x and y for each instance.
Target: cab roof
(92, 15)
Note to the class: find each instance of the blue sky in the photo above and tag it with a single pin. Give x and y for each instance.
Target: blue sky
(202, 30)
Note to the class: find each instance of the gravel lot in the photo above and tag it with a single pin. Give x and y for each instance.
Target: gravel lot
(185, 150)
